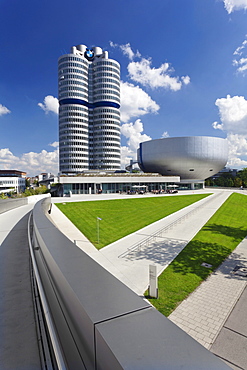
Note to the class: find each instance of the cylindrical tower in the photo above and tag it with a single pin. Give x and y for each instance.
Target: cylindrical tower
(89, 117)
(104, 134)
(73, 112)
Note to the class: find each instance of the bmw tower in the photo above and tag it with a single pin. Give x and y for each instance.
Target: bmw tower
(89, 116)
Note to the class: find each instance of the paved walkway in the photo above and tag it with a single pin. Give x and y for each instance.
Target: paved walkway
(19, 345)
(231, 343)
(130, 264)
(212, 314)
(204, 312)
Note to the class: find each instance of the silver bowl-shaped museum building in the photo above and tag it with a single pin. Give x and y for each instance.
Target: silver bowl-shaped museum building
(193, 158)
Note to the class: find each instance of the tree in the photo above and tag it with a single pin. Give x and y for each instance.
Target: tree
(238, 182)
(27, 181)
(243, 176)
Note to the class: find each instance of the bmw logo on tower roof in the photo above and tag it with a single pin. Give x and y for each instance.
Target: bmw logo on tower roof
(89, 54)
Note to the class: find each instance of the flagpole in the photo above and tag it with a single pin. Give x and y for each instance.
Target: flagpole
(98, 220)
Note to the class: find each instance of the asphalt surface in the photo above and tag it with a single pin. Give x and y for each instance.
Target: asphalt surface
(19, 345)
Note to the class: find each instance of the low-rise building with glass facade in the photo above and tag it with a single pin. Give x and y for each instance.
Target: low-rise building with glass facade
(90, 183)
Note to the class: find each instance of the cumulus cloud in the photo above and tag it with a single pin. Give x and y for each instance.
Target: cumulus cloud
(126, 156)
(233, 114)
(133, 132)
(32, 163)
(237, 150)
(233, 117)
(165, 134)
(241, 58)
(127, 50)
(232, 5)
(3, 110)
(50, 104)
(143, 72)
(55, 144)
(135, 102)
(134, 135)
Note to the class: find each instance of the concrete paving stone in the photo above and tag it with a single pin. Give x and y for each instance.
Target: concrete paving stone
(191, 326)
(207, 339)
(205, 328)
(210, 320)
(200, 336)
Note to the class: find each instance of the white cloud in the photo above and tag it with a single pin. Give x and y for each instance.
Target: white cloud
(238, 51)
(233, 116)
(134, 135)
(126, 156)
(3, 110)
(135, 102)
(185, 79)
(127, 50)
(217, 126)
(237, 150)
(232, 5)
(50, 104)
(165, 134)
(32, 163)
(241, 63)
(143, 73)
(55, 144)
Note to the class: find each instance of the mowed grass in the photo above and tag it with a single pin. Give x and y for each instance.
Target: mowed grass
(213, 243)
(122, 217)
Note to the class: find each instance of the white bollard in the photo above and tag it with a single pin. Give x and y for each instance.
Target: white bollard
(153, 281)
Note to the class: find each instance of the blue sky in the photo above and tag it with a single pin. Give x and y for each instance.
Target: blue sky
(183, 72)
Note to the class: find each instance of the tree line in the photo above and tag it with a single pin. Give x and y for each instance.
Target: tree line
(226, 179)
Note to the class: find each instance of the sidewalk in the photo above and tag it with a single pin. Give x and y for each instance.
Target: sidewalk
(204, 312)
(19, 344)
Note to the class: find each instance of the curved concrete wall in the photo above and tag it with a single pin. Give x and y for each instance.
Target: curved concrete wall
(191, 158)
(7, 204)
(102, 324)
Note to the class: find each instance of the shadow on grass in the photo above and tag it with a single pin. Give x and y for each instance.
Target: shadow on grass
(232, 232)
(189, 260)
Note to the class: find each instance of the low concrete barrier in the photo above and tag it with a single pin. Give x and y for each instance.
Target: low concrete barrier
(7, 204)
(101, 323)
(36, 198)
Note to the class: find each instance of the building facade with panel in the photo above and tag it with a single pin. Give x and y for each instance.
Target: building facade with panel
(12, 180)
(89, 115)
(193, 158)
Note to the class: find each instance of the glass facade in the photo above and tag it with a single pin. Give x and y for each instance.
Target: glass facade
(123, 187)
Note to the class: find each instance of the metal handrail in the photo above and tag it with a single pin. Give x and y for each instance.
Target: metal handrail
(158, 233)
(52, 332)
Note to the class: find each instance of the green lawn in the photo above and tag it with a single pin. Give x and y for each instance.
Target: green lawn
(122, 217)
(213, 243)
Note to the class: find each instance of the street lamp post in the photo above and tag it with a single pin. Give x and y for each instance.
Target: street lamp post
(98, 220)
